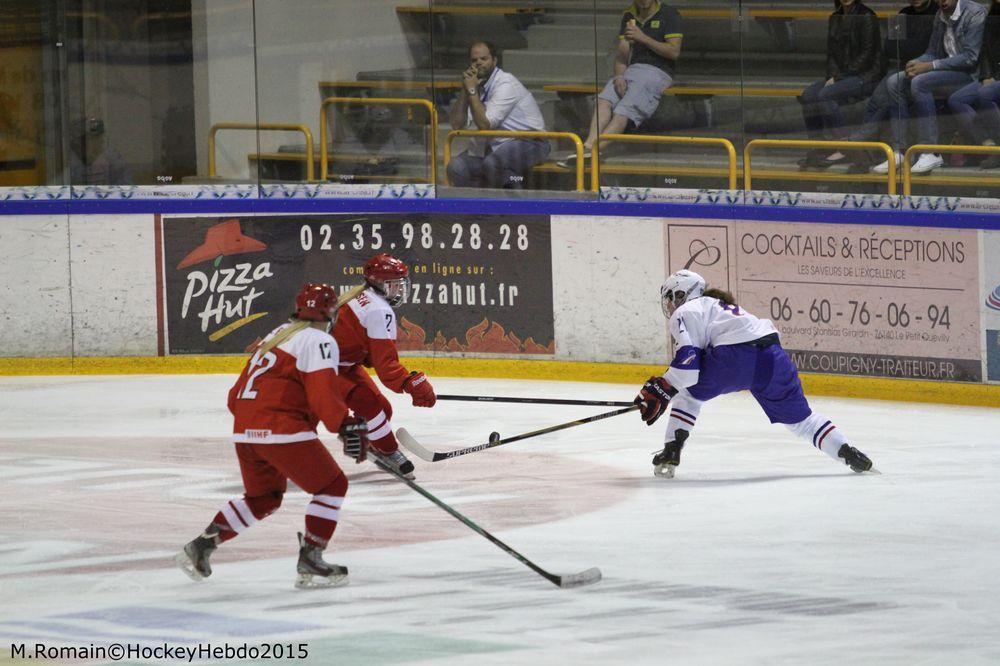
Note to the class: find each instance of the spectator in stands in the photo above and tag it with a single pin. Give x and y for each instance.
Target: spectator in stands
(649, 44)
(91, 161)
(854, 66)
(907, 39)
(492, 99)
(983, 96)
(951, 61)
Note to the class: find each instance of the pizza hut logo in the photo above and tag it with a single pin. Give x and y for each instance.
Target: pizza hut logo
(224, 296)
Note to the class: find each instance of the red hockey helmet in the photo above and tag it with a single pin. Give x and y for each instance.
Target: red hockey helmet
(316, 302)
(389, 276)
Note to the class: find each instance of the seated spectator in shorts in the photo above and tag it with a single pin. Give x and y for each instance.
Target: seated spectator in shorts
(950, 62)
(492, 99)
(908, 38)
(854, 66)
(982, 97)
(649, 44)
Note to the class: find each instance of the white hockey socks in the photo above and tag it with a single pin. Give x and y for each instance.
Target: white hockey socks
(821, 432)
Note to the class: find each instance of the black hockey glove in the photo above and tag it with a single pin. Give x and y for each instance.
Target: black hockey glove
(653, 399)
(354, 434)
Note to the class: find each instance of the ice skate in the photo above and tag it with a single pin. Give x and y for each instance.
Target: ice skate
(854, 459)
(193, 560)
(666, 461)
(314, 572)
(396, 461)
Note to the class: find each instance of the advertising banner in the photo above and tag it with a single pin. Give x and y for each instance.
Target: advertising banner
(990, 303)
(480, 284)
(895, 302)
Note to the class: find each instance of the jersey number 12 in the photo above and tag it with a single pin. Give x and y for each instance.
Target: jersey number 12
(261, 365)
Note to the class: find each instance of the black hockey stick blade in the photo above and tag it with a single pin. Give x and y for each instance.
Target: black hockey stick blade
(533, 401)
(411, 444)
(587, 577)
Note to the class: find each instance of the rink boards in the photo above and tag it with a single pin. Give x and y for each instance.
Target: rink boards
(524, 295)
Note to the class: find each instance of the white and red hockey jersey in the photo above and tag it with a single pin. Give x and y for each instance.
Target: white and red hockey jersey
(282, 395)
(708, 322)
(366, 335)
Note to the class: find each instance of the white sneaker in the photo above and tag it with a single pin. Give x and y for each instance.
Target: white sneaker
(569, 162)
(926, 162)
(884, 166)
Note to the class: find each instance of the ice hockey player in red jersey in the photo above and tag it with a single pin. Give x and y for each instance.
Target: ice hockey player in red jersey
(288, 386)
(722, 348)
(366, 335)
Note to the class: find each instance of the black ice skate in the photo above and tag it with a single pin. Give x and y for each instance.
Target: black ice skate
(396, 461)
(667, 460)
(193, 560)
(854, 459)
(314, 572)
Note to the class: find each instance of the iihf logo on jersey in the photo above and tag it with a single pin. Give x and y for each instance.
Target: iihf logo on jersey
(228, 292)
(993, 299)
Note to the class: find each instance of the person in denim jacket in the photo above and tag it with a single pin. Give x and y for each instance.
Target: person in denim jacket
(983, 97)
(907, 42)
(951, 61)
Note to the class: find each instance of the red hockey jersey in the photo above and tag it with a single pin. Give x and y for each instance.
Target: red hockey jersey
(366, 334)
(280, 396)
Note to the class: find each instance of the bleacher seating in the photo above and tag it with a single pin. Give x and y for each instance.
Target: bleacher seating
(738, 78)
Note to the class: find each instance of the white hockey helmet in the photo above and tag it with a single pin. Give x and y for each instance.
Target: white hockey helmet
(679, 288)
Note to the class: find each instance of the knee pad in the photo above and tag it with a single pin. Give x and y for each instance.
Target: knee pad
(336, 488)
(263, 506)
(367, 403)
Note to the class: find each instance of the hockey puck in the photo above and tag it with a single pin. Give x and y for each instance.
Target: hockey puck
(494, 437)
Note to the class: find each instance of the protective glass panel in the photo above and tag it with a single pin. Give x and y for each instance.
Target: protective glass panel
(130, 91)
(670, 101)
(29, 131)
(525, 70)
(945, 120)
(356, 75)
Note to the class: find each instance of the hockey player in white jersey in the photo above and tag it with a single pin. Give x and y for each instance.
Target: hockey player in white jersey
(721, 348)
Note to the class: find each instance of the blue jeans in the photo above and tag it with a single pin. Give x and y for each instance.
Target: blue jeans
(965, 102)
(921, 91)
(876, 110)
(821, 105)
(505, 167)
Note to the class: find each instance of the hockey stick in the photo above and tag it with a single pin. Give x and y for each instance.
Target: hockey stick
(295, 327)
(534, 401)
(408, 441)
(586, 577)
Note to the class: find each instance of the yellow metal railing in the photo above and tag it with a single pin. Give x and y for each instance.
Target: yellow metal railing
(934, 148)
(285, 127)
(521, 135)
(833, 145)
(324, 158)
(595, 182)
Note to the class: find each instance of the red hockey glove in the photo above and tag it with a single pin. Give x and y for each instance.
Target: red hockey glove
(354, 434)
(420, 390)
(653, 399)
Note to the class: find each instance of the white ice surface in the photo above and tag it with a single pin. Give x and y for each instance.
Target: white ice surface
(761, 551)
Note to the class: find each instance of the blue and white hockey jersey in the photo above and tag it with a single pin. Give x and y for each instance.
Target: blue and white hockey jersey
(708, 322)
